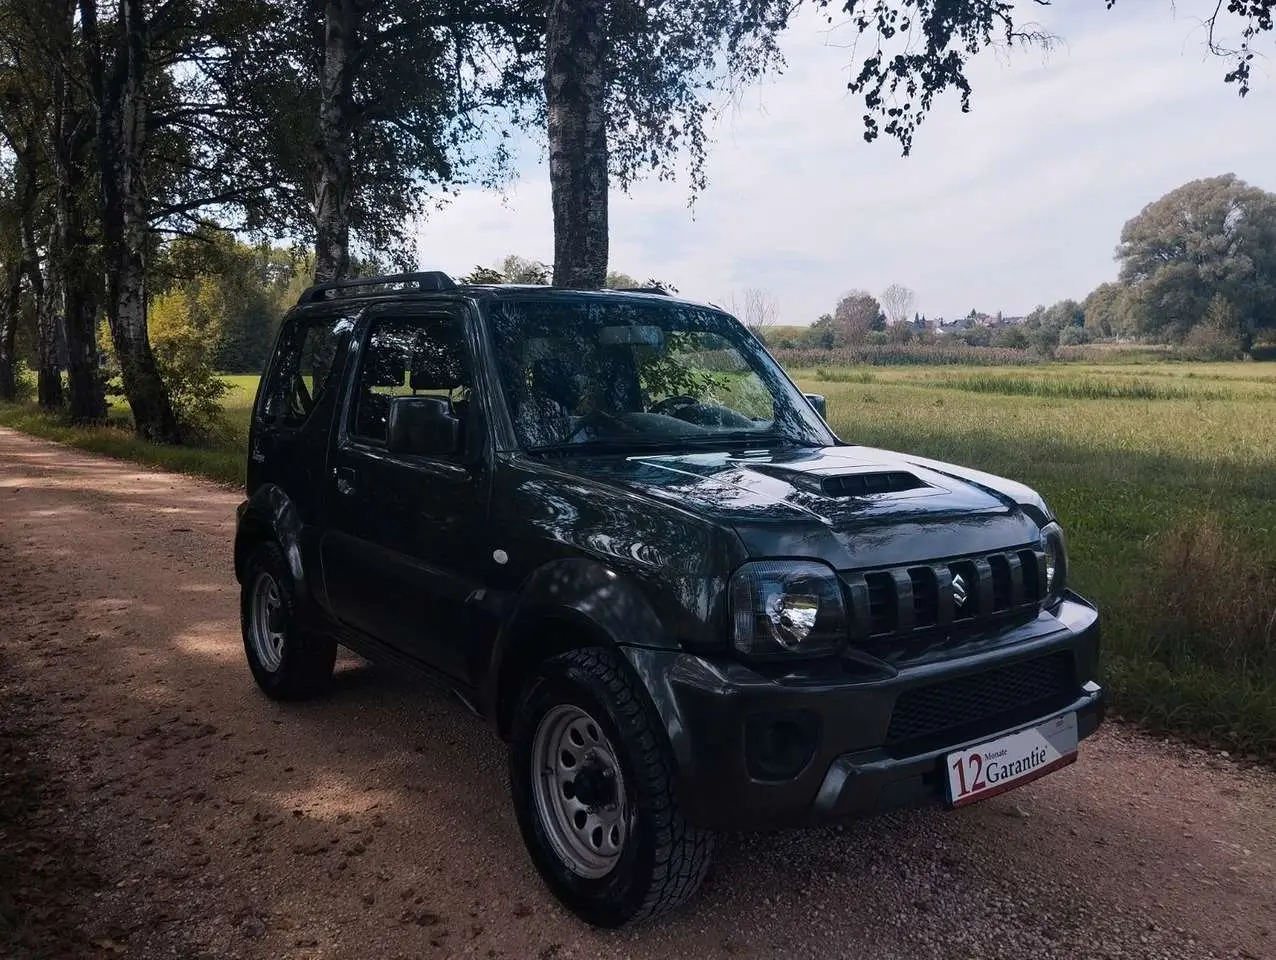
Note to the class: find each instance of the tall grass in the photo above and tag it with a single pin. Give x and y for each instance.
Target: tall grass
(906, 354)
(845, 375)
(1082, 388)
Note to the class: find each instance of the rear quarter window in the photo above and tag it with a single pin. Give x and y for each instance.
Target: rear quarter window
(305, 366)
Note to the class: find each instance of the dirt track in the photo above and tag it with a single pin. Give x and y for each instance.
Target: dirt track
(376, 823)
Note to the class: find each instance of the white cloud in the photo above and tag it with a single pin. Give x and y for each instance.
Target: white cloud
(1017, 203)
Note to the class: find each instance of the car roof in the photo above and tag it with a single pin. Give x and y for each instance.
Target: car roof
(424, 287)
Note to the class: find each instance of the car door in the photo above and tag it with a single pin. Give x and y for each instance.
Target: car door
(405, 535)
(293, 417)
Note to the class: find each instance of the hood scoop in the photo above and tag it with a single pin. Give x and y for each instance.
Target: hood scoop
(867, 484)
(853, 483)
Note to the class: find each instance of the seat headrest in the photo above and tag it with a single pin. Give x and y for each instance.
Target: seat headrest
(388, 368)
(558, 379)
(437, 365)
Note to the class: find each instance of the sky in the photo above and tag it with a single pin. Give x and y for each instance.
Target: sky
(1018, 203)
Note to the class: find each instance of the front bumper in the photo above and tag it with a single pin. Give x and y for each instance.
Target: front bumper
(865, 747)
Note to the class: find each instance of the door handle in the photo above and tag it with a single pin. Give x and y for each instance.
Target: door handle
(345, 481)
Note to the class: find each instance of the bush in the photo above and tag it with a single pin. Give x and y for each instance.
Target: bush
(1263, 351)
(1209, 600)
(184, 338)
(1011, 338)
(24, 381)
(1210, 343)
(1073, 336)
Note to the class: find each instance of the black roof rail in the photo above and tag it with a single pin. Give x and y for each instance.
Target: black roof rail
(429, 281)
(658, 291)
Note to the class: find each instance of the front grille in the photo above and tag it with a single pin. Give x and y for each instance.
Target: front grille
(972, 706)
(945, 598)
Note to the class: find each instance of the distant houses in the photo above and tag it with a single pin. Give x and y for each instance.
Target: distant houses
(976, 319)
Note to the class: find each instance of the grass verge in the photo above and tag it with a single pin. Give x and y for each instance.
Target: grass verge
(222, 463)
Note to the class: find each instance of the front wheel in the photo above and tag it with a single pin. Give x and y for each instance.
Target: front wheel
(593, 791)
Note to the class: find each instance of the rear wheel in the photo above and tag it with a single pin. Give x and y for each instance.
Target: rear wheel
(592, 783)
(288, 662)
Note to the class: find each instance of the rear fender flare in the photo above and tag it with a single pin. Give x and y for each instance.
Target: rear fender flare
(269, 514)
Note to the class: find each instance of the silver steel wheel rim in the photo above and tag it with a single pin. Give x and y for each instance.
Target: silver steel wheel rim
(266, 630)
(579, 791)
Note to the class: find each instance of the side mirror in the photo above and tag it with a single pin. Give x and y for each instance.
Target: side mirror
(817, 401)
(423, 426)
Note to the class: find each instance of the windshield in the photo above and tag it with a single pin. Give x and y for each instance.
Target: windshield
(631, 374)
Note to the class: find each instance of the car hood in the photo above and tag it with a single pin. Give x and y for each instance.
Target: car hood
(851, 506)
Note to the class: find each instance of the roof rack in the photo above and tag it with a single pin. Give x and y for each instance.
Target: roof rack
(658, 291)
(429, 281)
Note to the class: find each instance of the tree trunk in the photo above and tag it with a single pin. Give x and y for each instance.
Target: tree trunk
(332, 152)
(121, 105)
(8, 332)
(576, 92)
(48, 370)
(71, 137)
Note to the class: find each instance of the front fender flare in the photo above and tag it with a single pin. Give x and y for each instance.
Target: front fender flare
(590, 599)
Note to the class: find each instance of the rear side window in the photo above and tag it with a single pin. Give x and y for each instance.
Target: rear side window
(303, 371)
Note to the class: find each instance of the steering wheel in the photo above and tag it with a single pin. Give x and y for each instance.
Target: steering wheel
(595, 416)
(668, 403)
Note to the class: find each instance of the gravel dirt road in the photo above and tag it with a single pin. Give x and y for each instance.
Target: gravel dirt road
(154, 804)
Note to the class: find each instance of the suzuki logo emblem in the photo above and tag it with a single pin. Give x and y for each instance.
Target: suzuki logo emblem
(960, 596)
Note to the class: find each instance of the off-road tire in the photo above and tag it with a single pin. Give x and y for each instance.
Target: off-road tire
(665, 859)
(306, 666)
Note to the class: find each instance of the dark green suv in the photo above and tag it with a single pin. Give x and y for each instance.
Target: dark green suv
(612, 525)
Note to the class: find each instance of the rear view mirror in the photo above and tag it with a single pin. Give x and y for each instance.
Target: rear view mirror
(423, 427)
(636, 335)
(817, 401)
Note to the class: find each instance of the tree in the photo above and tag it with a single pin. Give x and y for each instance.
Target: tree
(74, 267)
(1103, 310)
(820, 335)
(625, 83)
(898, 302)
(119, 67)
(918, 49)
(576, 54)
(401, 93)
(757, 309)
(619, 281)
(516, 269)
(856, 315)
(11, 304)
(1012, 338)
(1208, 239)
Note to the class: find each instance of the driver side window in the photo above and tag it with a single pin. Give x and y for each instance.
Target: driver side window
(407, 357)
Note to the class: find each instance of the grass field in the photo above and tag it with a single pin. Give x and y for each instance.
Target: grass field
(1164, 476)
(1165, 481)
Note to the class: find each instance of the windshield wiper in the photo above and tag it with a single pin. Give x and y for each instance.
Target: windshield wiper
(638, 444)
(608, 445)
(739, 436)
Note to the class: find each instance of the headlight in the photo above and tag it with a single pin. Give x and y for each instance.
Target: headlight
(786, 608)
(1055, 548)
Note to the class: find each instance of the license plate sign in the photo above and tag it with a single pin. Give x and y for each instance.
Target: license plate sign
(1011, 761)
